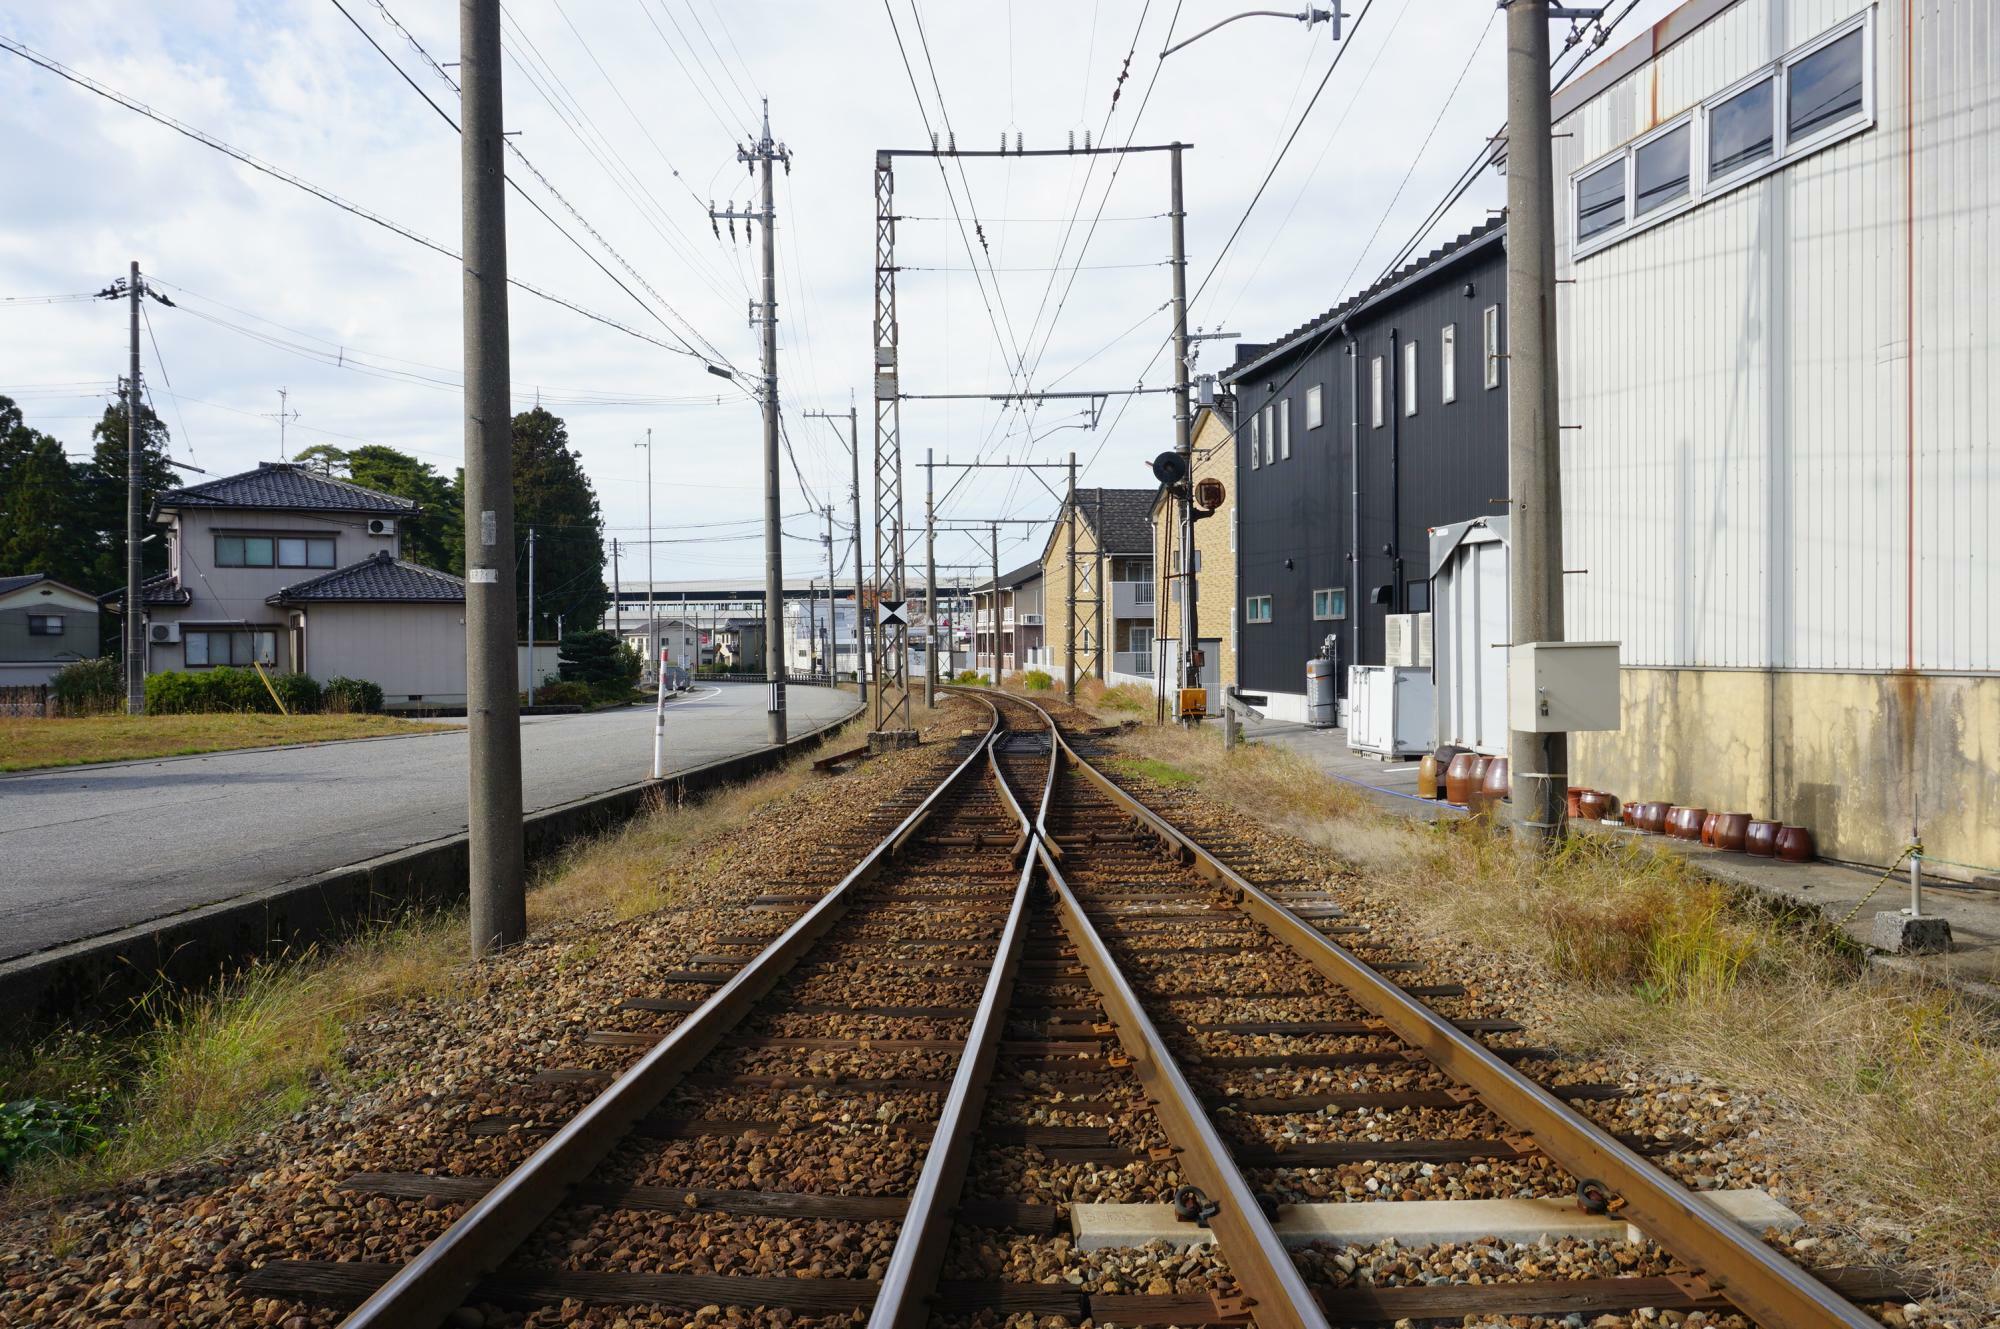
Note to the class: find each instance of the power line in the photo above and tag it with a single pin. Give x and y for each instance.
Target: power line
(208, 140)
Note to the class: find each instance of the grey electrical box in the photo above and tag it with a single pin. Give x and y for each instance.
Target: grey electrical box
(1562, 687)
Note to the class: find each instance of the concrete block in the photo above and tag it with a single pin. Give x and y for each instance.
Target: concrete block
(1899, 934)
(1408, 1222)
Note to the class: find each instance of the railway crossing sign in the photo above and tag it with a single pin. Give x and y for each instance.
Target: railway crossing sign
(889, 613)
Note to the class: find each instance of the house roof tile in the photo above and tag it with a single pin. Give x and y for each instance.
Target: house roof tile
(285, 486)
(379, 578)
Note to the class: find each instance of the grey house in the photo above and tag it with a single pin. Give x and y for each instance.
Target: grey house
(298, 571)
(44, 625)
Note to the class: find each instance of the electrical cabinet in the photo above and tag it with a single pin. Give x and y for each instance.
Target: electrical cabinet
(1562, 687)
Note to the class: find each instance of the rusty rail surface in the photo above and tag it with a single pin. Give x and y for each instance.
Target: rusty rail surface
(436, 1282)
(1728, 1262)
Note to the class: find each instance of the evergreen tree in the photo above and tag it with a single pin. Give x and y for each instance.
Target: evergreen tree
(41, 520)
(553, 495)
(103, 492)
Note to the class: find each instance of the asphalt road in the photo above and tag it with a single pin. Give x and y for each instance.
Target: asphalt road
(91, 850)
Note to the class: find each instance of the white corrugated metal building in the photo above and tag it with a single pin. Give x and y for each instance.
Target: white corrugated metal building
(1778, 366)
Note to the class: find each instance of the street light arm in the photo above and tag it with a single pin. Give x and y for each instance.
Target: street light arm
(1309, 17)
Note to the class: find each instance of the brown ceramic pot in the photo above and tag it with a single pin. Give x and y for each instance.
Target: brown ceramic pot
(1458, 782)
(1761, 838)
(1494, 783)
(1593, 804)
(1691, 823)
(1652, 818)
(1427, 776)
(1672, 828)
(1795, 844)
(1475, 788)
(1708, 827)
(1730, 828)
(1575, 794)
(1629, 814)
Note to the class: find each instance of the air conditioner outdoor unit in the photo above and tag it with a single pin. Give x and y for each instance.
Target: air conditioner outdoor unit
(381, 526)
(164, 632)
(1399, 640)
(1031, 620)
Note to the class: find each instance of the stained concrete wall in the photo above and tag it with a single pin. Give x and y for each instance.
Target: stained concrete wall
(1845, 755)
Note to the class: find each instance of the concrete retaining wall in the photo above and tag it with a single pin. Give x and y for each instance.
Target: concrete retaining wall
(99, 978)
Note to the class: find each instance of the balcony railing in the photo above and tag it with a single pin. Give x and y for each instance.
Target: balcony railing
(1132, 662)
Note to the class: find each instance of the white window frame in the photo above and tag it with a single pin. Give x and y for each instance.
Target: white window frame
(1412, 357)
(1375, 392)
(1784, 150)
(1250, 606)
(1489, 334)
(1285, 430)
(1448, 363)
(38, 625)
(1315, 408)
(1336, 604)
(1256, 443)
(1270, 437)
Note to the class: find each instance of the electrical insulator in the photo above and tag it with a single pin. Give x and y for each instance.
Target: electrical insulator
(1017, 140)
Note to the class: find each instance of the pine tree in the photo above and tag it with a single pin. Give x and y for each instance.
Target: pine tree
(103, 492)
(553, 495)
(41, 526)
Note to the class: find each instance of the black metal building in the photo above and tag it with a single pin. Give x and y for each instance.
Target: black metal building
(1357, 433)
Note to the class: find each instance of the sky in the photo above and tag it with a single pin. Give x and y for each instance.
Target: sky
(1046, 272)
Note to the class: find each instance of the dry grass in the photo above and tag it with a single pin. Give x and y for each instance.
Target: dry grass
(210, 1068)
(31, 744)
(1889, 1087)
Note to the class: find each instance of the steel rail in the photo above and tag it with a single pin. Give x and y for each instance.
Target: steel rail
(915, 1261)
(437, 1280)
(1739, 1267)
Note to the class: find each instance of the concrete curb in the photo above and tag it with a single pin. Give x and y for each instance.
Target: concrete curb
(100, 977)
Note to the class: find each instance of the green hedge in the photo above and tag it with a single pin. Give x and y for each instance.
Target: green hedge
(203, 691)
(563, 692)
(1038, 680)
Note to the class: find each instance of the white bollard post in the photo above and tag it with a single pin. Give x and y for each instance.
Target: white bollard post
(660, 723)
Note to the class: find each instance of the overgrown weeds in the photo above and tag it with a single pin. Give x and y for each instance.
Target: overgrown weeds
(1887, 1088)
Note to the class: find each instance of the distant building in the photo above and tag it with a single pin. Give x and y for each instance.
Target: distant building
(1214, 442)
(1021, 641)
(297, 571)
(1113, 586)
(686, 642)
(815, 631)
(44, 625)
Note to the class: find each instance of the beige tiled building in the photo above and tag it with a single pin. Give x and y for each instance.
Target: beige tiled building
(1215, 562)
(1114, 587)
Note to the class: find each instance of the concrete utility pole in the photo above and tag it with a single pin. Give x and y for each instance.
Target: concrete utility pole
(832, 652)
(761, 154)
(617, 605)
(135, 610)
(1539, 762)
(1184, 439)
(652, 620)
(493, 716)
(930, 586)
(854, 494)
(531, 616)
(993, 538)
(1069, 564)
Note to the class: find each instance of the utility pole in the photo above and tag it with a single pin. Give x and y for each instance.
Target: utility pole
(1184, 439)
(135, 629)
(617, 605)
(531, 616)
(652, 620)
(993, 536)
(759, 156)
(1069, 564)
(832, 619)
(493, 717)
(854, 496)
(930, 587)
(1539, 762)
(892, 640)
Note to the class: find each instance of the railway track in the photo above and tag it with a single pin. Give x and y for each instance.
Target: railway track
(1029, 991)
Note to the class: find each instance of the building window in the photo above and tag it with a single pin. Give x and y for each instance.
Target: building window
(274, 551)
(45, 625)
(1375, 391)
(1257, 609)
(1743, 129)
(1270, 439)
(1285, 429)
(1812, 97)
(204, 649)
(1600, 200)
(1661, 169)
(1448, 363)
(1330, 604)
(1417, 597)
(1256, 443)
(1410, 377)
(1489, 331)
(1314, 413)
